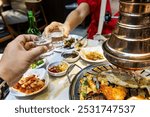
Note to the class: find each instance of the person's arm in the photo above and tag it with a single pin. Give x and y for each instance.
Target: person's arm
(17, 57)
(75, 18)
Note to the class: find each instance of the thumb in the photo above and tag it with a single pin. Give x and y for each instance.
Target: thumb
(66, 32)
(37, 51)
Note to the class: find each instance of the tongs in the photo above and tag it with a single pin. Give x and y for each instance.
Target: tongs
(81, 38)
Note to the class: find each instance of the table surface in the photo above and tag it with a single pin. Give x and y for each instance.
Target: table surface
(58, 88)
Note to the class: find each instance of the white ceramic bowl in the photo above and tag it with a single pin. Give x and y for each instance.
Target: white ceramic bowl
(70, 56)
(55, 64)
(41, 65)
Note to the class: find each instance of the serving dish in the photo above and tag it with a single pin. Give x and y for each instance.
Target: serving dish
(129, 81)
(92, 54)
(38, 64)
(58, 68)
(41, 74)
(70, 56)
(73, 42)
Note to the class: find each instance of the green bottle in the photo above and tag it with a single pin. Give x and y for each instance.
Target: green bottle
(32, 25)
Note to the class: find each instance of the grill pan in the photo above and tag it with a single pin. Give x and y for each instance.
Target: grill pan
(75, 84)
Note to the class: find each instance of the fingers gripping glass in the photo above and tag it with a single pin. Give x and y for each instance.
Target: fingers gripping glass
(53, 40)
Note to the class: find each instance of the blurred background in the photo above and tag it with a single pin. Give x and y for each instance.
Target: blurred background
(14, 20)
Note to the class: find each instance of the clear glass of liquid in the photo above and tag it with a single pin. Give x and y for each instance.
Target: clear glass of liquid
(57, 38)
(53, 40)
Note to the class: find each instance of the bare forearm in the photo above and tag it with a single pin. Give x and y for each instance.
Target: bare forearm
(77, 16)
(73, 20)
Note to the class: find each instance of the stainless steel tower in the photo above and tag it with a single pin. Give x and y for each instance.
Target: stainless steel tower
(129, 44)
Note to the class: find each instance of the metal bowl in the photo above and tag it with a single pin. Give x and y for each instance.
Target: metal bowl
(132, 32)
(120, 45)
(128, 55)
(135, 8)
(134, 20)
(136, 1)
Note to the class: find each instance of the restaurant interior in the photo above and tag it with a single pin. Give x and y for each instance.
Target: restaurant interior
(109, 67)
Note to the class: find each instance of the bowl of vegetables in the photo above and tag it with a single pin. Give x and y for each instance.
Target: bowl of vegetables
(38, 64)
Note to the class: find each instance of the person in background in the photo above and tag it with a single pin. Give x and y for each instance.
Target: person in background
(85, 8)
(17, 57)
(17, 14)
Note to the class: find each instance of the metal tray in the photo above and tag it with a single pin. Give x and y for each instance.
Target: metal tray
(75, 84)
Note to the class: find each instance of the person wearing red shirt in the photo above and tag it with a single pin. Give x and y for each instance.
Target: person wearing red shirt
(77, 16)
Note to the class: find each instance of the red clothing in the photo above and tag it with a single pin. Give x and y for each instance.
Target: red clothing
(95, 13)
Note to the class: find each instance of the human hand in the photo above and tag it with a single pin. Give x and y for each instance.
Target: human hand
(57, 26)
(18, 56)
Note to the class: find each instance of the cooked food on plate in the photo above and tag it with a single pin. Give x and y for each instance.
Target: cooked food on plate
(70, 56)
(75, 41)
(93, 55)
(69, 42)
(37, 63)
(58, 68)
(79, 44)
(29, 85)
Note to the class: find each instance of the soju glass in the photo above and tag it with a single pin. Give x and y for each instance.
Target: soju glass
(57, 38)
(53, 40)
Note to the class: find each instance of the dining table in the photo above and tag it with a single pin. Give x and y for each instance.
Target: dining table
(58, 87)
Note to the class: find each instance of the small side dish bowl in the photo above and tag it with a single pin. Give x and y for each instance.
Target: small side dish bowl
(70, 56)
(38, 64)
(58, 68)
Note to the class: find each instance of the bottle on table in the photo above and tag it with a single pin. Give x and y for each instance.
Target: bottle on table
(32, 24)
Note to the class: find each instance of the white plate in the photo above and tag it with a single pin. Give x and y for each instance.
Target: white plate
(76, 37)
(92, 49)
(41, 73)
(41, 65)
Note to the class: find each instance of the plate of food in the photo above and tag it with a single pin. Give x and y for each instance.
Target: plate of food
(75, 42)
(92, 54)
(70, 56)
(38, 63)
(33, 81)
(107, 82)
(58, 68)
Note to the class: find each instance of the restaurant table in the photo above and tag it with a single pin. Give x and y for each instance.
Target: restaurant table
(58, 88)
